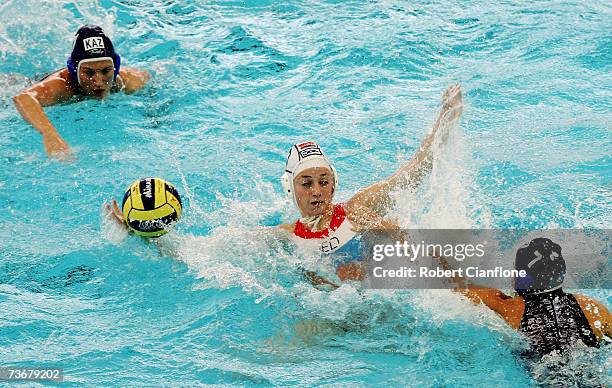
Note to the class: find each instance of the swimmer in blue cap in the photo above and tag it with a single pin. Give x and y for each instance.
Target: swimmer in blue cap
(93, 71)
(551, 319)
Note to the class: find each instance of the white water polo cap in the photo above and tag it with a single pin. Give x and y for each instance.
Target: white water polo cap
(302, 157)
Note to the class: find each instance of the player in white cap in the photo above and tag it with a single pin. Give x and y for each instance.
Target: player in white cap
(311, 180)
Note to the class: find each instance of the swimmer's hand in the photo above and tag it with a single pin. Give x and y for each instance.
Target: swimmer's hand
(319, 282)
(452, 108)
(452, 101)
(350, 271)
(57, 148)
(115, 214)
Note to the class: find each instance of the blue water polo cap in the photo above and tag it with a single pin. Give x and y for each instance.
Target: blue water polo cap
(91, 43)
(544, 264)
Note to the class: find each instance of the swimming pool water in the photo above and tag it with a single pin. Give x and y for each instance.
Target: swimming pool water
(235, 84)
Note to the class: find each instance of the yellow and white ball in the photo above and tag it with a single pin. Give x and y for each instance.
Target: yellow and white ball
(151, 207)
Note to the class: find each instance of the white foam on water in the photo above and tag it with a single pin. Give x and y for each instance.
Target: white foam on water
(445, 199)
(40, 34)
(10, 85)
(333, 306)
(237, 257)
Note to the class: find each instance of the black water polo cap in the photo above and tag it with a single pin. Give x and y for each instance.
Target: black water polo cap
(90, 41)
(544, 264)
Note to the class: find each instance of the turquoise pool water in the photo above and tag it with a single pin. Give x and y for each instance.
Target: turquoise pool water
(235, 84)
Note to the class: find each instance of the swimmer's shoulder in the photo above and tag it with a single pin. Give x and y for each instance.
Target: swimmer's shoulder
(363, 218)
(597, 314)
(60, 77)
(513, 309)
(287, 227)
(55, 87)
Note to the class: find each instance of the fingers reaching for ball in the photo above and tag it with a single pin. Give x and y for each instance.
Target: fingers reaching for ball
(114, 213)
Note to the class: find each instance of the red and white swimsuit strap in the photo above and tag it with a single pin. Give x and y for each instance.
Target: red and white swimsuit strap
(338, 217)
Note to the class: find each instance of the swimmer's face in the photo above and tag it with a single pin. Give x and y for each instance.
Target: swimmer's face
(314, 189)
(97, 78)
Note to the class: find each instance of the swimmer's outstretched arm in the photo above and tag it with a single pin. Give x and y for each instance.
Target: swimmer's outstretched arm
(509, 308)
(410, 175)
(30, 103)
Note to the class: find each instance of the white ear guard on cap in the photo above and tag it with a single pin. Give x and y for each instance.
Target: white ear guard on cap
(286, 182)
(302, 157)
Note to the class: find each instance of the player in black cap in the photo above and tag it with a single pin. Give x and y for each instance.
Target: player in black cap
(551, 319)
(93, 71)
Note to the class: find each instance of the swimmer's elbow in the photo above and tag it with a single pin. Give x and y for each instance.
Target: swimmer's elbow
(21, 99)
(25, 100)
(18, 98)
